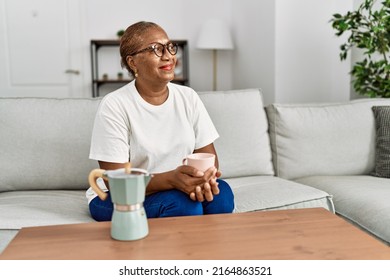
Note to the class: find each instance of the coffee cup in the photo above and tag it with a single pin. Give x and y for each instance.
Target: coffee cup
(201, 161)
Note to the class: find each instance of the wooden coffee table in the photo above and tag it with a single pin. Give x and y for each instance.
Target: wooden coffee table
(302, 234)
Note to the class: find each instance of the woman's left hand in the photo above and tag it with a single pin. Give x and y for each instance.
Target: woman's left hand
(214, 183)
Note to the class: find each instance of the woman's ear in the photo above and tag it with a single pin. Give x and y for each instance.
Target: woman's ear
(130, 62)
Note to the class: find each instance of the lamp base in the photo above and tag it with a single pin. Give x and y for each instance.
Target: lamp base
(214, 69)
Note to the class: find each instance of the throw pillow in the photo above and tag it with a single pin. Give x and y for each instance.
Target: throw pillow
(382, 152)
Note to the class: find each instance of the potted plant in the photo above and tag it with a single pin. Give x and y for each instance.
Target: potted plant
(369, 30)
(120, 33)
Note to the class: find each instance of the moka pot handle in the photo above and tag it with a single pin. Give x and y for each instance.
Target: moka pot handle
(93, 176)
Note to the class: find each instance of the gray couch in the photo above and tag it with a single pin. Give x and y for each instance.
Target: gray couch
(278, 157)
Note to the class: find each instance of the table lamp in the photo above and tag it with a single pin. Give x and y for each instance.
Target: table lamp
(214, 35)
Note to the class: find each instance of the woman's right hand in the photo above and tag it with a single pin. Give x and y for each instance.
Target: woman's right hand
(194, 182)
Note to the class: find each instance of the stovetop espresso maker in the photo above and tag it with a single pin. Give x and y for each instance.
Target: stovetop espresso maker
(127, 189)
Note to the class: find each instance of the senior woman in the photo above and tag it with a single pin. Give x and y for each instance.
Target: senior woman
(154, 124)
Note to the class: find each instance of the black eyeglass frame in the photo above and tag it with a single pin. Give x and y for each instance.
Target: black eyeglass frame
(166, 46)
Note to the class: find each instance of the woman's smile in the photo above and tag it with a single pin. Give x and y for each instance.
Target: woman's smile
(167, 67)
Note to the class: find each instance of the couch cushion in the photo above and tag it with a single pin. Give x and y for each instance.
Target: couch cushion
(323, 139)
(45, 143)
(257, 193)
(364, 200)
(382, 152)
(42, 207)
(243, 146)
(6, 236)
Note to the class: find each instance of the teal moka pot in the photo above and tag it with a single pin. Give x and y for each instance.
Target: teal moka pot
(127, 189)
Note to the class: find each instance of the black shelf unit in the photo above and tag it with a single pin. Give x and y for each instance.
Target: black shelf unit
(181, 78)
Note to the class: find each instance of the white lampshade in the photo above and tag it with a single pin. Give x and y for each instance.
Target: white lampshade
(215, 35)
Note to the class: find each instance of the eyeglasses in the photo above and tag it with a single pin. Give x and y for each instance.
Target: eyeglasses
(159, 49)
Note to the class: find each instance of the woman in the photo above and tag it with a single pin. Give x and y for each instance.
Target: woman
(154, 124)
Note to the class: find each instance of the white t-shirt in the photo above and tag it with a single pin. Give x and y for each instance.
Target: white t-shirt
(155, 138)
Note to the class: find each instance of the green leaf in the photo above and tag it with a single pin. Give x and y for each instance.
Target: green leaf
(369, 30)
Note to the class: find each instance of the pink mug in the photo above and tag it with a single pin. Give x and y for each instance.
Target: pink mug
(201, 161)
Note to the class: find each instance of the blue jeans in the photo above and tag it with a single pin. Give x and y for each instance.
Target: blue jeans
(171, 203)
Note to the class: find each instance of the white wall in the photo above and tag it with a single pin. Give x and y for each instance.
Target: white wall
(307, 64)
(289, 50)
(254, 57)
(285, 47)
